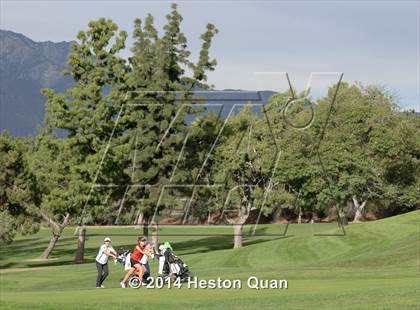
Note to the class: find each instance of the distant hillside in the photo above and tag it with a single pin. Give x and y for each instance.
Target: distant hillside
(26, 67)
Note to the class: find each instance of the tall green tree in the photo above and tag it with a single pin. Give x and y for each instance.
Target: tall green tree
(367, 138)
(296, 132)
(155, 118)
(394, 144)
(87, 113)
(48, 162)
(239, 166)
(203, 200)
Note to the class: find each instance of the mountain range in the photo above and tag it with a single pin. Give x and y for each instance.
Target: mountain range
(27, 66)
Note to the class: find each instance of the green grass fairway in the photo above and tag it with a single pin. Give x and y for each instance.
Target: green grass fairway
(375, 266)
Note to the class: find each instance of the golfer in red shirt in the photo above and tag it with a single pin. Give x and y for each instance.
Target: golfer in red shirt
(135, 258)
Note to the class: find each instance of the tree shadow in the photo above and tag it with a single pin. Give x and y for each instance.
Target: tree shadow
(220, 242)
(61, 262)
(22, 247)
(48, 263)
(7, 265)
(199, 244)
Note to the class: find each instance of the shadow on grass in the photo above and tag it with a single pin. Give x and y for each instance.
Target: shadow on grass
(222, 242)
(61, 263)
(210, 244)
(7, 265)
(18, 251)
(51, 263)
(25, 247)
(19, 246)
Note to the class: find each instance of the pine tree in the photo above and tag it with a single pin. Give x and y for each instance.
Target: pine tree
(155, 120)
(48, 162)
(87, 114)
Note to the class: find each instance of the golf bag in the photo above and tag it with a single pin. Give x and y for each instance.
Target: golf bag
(173, 266)
(133, 281)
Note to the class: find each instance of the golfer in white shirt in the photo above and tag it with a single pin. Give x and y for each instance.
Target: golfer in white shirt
(105, 251)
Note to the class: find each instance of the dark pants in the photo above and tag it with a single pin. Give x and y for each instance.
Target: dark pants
(102, 273)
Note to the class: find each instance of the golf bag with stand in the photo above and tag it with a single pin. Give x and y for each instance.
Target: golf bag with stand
(172, 266)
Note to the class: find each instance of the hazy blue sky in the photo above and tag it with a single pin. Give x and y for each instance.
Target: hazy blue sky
(371, 42)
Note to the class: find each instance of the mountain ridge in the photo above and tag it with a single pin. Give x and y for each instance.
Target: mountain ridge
(26, 67)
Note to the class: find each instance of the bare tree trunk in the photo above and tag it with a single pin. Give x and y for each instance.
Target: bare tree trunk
(146, 229)
(117, 219)
(239, 220)
(342, 217)
(155, 239)
(143, 220)
(277, 214)
(50, 247)
(237, 240)
(140, 218)
(359, 209)
(57, 229)
(300, 216)
(146, 226)
(79, 259)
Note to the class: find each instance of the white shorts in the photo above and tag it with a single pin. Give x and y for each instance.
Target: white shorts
(161, 264)
(127, 265)
(144, 259)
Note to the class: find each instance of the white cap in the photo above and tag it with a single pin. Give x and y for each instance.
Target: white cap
(107, 239)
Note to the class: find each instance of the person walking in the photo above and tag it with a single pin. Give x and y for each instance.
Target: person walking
(135, 258)
(105, 251)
